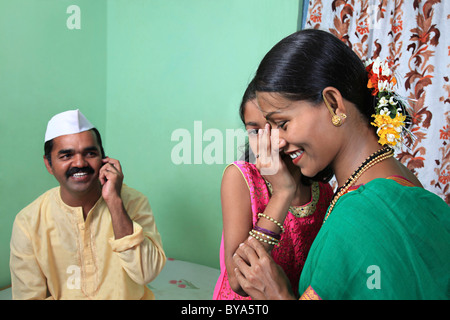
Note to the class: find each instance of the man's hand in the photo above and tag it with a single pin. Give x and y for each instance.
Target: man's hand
(111, 178)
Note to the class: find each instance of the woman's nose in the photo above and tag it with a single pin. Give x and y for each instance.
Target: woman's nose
(282, 143)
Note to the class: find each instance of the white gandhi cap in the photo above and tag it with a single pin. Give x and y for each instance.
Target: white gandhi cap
(67, 122)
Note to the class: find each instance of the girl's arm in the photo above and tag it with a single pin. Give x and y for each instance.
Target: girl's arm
(236, 204)
(237, 219)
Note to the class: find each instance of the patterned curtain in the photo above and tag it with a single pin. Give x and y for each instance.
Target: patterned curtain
(413, 36)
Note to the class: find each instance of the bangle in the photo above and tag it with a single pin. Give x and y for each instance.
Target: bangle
(273, 242)
(264, 235)
(272, 234)
(272, 220)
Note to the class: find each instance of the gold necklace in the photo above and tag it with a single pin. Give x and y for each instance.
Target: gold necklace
(372, 160)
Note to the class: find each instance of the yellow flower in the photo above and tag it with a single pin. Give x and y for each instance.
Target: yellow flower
(389, 129)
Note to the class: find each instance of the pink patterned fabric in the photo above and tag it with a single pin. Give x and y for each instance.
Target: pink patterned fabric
(295, 242)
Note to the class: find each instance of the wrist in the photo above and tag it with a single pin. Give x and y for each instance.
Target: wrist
(114, 204)
(286, 296)
(285, 194)
(121, 221)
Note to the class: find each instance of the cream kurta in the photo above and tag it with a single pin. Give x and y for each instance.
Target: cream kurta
(56, 254)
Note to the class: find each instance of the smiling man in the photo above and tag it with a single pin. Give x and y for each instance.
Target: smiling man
(92, 237)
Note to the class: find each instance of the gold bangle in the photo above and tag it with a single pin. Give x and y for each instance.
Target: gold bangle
(272, 220)
(273, 243)
(264, 235)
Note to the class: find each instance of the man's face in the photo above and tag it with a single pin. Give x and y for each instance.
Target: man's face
(76, 162)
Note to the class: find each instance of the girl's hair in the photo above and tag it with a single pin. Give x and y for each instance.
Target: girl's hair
(248, 156)
(249, 95)
(301, 65)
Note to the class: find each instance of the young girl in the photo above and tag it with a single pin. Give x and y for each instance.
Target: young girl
(246, 207)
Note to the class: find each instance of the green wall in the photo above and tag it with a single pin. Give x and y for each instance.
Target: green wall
(140, 70)
(45, 68)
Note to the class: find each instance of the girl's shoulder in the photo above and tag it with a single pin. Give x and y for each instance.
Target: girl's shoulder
(243, 165)
(247, 169)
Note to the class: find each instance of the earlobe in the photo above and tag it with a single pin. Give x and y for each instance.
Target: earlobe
(338, 120)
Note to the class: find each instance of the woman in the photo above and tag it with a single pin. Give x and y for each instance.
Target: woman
(384, 236)
(246, 193)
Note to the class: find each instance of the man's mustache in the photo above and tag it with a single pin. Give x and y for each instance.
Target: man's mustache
(74, 170)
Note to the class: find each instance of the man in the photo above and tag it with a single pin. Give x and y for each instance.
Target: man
(92, 237)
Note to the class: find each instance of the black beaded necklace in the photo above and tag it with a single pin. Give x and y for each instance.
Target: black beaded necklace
(376, 157)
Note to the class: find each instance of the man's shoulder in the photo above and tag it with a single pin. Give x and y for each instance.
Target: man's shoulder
(39, 201)
(129, 193)
(135, 202)
(36, 205)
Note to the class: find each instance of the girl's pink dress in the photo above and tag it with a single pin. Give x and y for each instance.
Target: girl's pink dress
(295, 241)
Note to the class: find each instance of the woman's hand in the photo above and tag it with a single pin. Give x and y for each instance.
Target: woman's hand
(258, 274)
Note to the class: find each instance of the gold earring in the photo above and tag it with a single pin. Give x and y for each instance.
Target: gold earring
(335, 119)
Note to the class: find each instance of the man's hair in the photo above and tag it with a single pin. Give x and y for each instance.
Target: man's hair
(48, 146)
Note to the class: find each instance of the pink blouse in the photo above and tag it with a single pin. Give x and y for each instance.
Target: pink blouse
(301, 227)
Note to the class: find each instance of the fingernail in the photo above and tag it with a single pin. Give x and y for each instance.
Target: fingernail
(241, 244)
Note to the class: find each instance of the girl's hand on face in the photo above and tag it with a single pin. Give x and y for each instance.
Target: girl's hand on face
(269, 162)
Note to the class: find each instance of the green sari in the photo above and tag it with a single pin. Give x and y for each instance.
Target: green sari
(383, 240)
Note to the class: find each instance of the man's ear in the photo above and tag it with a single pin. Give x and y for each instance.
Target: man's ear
(48, 165)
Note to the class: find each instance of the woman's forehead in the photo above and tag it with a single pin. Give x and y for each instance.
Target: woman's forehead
(272, 100)
(271, 103)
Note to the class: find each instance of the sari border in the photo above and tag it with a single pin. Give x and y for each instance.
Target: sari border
(310, 294)
(401, 180)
